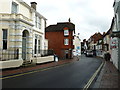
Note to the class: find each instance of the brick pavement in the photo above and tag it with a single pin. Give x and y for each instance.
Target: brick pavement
(39, 66)
(109, 77)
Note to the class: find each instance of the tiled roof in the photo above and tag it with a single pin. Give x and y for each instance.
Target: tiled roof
(60, 26)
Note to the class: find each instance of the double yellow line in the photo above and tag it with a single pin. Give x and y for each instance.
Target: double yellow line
(93, 77)
(30, 72)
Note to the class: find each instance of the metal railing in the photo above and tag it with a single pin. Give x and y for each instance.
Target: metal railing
(9, 54)
(42, 53)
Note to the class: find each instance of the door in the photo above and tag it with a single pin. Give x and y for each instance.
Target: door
(24, 48)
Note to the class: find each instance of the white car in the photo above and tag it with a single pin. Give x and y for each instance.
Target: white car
(89, 53)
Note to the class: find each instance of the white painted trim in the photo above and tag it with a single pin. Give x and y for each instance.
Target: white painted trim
(29, 52)
(29, 47)
(16, 40)
(44, 59)
(16, 46)
(15, 34)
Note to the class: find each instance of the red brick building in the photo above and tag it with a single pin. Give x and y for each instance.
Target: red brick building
(60, 39)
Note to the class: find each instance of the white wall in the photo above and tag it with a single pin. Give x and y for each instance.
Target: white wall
(10, 64)
(114, 57)
(24, 10)
(5, 6)
(44, 59)
(77, 43)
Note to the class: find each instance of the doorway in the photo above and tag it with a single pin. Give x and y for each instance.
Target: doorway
(25, 35)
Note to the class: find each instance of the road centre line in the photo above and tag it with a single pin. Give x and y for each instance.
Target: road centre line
(34, 71)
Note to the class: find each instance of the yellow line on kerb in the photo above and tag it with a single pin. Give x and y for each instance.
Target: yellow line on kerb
(34, 71)
(92, 78)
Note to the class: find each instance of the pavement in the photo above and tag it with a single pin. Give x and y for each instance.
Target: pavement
(12, 71)
(109, 77)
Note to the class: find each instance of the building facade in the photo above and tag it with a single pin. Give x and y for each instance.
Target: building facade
(60, 39)
(77, 46)
(92, 41)
(115, 44)
(21, 28)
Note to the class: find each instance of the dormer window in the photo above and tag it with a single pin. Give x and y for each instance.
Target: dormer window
(66, 32)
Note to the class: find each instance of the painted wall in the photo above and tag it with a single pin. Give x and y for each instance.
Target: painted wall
(5, 3)
(15, 29)
(22, 9)
(10, 64)
(77, 46)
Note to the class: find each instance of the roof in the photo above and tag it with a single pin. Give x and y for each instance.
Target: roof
(109, 31)
(60, 26)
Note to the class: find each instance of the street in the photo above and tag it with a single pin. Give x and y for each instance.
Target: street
(72, 75)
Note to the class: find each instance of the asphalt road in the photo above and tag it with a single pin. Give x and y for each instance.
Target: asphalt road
(73, 75)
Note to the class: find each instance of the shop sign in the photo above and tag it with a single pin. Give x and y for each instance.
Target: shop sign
(114, 43)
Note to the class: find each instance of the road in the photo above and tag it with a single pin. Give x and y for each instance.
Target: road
(72, 75)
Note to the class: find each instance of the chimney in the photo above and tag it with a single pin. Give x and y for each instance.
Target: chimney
(33, 5)
(69, 20)
(104, 33)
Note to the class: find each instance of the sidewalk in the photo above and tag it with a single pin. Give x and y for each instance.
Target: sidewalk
(39, 66)
(109, 77)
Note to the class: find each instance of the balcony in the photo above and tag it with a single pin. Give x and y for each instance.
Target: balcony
(15, 17)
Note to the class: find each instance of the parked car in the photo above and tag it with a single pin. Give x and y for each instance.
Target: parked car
(85, 52)
(89, 53)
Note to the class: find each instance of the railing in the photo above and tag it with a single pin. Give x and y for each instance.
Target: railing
(9, 54)
(42, 53)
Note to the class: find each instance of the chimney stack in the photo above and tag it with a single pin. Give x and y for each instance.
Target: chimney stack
(33, 5)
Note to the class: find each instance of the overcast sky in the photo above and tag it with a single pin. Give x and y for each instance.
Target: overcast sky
(89, 16)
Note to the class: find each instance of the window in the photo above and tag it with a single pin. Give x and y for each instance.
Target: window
(66, 32)
(14, 8)
(37, 22)
(35, 50)
(35, 45)
(66, 41)
(38, 46)
(4, 38)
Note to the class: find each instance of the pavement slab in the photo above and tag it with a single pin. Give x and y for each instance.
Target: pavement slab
(109, 77)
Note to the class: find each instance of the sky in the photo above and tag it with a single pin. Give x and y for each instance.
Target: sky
(89, 16)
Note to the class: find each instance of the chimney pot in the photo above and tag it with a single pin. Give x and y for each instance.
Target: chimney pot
(33, 5)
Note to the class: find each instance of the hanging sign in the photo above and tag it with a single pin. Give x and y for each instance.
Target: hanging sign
(114, 43)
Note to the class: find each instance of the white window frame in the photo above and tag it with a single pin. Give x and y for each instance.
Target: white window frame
(37, 22)
(66, 41)
(66, 32)
(15, 10)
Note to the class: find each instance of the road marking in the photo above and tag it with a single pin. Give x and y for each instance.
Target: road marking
(34, 71)
(92, 78)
